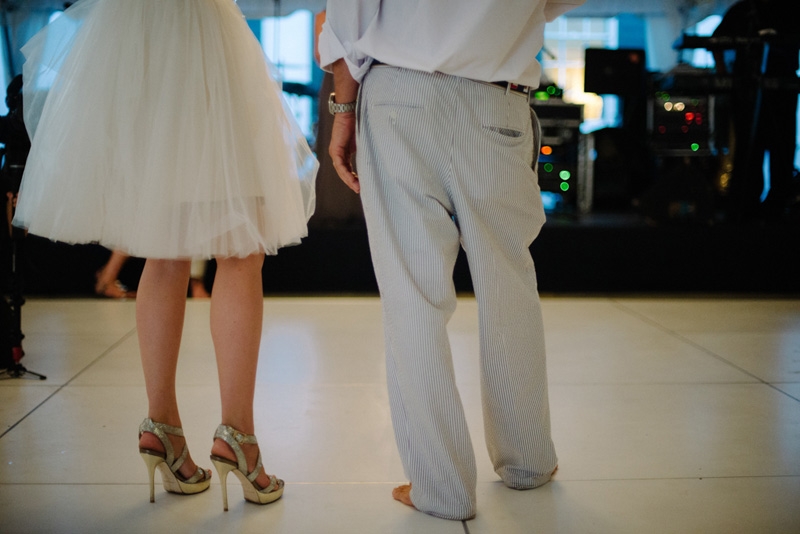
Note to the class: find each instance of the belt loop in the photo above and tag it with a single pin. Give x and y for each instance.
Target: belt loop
(530, 95)
(508, 88)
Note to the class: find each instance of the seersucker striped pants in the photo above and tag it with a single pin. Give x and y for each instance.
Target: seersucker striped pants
(446, 162)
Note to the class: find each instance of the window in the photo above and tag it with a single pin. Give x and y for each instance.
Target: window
(565, 40)
(5, 78)
(288, 42)
(700, 57)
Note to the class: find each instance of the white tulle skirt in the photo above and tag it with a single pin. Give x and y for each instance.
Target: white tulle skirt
(158, 129)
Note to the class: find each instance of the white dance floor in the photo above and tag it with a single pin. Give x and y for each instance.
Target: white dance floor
(670, 415)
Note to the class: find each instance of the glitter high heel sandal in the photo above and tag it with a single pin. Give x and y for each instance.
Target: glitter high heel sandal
(252, 491)
(173, 481)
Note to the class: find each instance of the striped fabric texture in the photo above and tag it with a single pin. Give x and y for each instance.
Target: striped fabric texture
(446, 162)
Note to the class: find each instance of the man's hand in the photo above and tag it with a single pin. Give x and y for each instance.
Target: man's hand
(343, 135)
(343, 148)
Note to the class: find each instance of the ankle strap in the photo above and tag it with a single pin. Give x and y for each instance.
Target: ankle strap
(148, 425)
(234, 439)
(160, 430)
(228, 434)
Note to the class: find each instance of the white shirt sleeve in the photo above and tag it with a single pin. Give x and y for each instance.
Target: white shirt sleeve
(346, 21)
(555, 8)
(487, 40)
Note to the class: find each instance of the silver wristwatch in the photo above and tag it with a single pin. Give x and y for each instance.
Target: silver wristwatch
(335, 108)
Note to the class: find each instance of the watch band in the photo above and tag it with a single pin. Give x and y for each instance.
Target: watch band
(335, 108)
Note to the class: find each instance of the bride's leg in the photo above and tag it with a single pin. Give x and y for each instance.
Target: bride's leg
(237, 310)
(160, 310)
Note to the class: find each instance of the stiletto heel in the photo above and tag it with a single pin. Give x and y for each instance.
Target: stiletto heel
(223, 469)
(252, 491)
(151, 462)
(173, 481)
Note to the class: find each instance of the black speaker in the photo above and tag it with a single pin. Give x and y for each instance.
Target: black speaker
(614, 72)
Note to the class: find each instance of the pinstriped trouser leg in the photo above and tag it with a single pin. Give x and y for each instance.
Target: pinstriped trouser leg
(499, 209)
(438, 166)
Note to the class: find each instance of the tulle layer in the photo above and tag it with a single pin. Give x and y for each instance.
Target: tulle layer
(158, 128)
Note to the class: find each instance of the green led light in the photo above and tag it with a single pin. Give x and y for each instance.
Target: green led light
(564, 186)
(541, 95)
(695, 147)
(564, 175)
(551, 90)
(548, 167)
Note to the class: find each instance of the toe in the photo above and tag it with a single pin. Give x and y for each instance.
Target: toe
(403, 494)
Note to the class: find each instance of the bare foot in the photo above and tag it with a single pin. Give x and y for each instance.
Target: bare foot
(151, 442)
(113, 290)
(403, 494)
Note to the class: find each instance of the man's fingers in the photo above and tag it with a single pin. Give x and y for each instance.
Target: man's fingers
(342, 148)
(346, 173)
